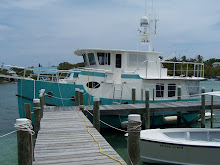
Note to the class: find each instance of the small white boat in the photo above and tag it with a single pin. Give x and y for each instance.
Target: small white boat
(180, 146)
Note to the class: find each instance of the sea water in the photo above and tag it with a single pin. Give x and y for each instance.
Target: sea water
(9, 113)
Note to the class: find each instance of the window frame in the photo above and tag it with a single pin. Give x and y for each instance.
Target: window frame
(160, 91)
(171, 92)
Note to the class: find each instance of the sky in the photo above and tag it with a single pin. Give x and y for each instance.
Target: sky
(48, 31)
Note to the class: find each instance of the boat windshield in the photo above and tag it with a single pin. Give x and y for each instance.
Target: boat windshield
(104, 58)
(91, 59)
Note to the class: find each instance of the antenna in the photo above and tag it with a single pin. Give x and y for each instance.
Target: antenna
(147, 23)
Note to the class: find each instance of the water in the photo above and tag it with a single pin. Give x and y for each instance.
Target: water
(9, 113)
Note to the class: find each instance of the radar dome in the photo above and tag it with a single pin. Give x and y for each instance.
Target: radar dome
(144, 21)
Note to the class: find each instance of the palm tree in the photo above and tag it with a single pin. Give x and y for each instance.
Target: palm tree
(199, 58)
(183, 58)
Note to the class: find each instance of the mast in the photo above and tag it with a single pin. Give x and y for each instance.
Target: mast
(147, 23)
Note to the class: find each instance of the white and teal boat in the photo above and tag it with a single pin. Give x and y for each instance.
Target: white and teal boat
(111, 75)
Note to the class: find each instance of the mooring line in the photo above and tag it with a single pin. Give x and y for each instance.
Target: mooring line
(100, 150)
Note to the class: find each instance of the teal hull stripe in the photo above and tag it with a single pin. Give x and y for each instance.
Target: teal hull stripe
(67, 91)
(97, 74)
(131, 76)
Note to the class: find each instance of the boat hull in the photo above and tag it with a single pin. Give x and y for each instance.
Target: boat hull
(171, 146)
(27, 90)
(155, 152)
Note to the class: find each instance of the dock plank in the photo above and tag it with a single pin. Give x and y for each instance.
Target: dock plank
(63, 139)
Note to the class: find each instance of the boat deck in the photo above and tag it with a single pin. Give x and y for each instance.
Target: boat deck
(64, 139)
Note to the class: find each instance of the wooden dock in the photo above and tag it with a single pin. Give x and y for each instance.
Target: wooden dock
(63, 139)
(126, 109)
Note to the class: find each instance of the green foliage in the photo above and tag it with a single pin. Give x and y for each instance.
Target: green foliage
(210, 71)
(67, 66)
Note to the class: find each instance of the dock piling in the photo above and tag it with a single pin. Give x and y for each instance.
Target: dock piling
(96, 113)
(28, 116)
(24, 144)
(147, 107)
(77, 96)
(36, 108)
(81, 97)
(203, 109)
(134, 128)
(42, 101)
(133, 95)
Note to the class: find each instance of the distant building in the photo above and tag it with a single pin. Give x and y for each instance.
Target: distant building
(216, 64)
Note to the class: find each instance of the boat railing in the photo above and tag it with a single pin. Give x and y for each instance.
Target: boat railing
(184, 69)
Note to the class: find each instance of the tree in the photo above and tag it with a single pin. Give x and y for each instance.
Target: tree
(183, 58)
(199, 58)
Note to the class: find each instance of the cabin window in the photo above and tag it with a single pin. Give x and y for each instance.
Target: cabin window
(159, 90)
(104, 58)
(91, 59)
(76, 75)
(118, 61)
(171, 90)
(85, 60)
(136, 60)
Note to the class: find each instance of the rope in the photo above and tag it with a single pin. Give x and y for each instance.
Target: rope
(8, 134)
(100, 150)
(107, 123)
(60, 92)
(25, 127)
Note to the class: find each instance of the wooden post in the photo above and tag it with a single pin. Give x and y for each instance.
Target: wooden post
(179, 93)
(36, 108)
(81, 107)
(133, 95)
(212, 111)
(77, 97)
(28, 116)
(153, 94)
(24, 144)
(203, 109)
(142, 95)
(134, 128)
(27, 110)
(81, 97)
(42, 102)
(147, 109)
(96, 113)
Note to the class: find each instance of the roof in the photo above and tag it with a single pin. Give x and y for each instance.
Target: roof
(79, 52)
(45, 70)
(216, 63)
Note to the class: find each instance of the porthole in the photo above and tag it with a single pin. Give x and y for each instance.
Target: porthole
(93, 84)
(49, 94)
(72, 99)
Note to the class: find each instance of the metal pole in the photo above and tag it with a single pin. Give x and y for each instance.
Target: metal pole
(203, 109)
(179, 99)
(212, 111)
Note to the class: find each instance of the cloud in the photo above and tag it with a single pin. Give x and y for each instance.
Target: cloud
(49, 30)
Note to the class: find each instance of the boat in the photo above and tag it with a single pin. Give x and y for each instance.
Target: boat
(111, 74)
(180, 146)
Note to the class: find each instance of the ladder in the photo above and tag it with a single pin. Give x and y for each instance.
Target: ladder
(117, 93)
